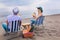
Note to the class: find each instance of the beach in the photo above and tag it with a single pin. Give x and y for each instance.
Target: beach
(51, 29)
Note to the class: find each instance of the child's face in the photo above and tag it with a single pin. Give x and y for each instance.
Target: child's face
(39, 11)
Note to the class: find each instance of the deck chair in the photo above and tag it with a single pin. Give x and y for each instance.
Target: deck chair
(39, 21)
(15, 27)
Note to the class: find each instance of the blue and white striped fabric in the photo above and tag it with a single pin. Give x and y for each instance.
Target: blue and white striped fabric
(39, 21)
(15, 26)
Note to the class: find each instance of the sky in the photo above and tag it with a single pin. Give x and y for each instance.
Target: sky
(27, 7)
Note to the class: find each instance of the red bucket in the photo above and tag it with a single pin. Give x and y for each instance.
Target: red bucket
(28, 35)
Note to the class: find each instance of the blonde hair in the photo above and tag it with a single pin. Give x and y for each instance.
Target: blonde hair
(34, 14)
(19, 14)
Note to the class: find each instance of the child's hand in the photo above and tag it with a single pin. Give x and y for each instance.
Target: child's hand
(34, 15)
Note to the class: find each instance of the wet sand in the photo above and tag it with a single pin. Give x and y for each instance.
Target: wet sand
(51, 29)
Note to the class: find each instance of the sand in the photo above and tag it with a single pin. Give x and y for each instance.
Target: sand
(51, 29)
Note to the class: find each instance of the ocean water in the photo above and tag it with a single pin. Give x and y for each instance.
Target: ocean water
(28, 14)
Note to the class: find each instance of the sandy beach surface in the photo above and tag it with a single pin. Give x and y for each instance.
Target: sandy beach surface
(51, 29)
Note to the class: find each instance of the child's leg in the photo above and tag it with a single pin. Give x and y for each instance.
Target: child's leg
(32, 25)
(4, 25)
(32, 22)
(32, 29)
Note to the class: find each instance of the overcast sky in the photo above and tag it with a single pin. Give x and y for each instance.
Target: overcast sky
(27, 7)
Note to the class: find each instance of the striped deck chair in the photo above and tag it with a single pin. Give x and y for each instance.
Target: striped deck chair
(15, 26)
(39, 21)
